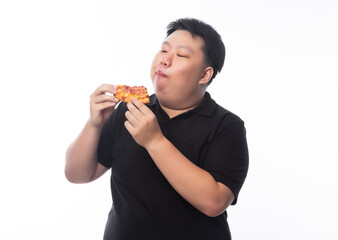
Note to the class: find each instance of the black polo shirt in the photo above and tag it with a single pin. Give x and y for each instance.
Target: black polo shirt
(145, 206)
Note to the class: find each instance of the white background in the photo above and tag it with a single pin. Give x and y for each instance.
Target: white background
(279, 76)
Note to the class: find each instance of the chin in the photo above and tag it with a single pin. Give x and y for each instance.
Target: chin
(170, 102)
(163, 98)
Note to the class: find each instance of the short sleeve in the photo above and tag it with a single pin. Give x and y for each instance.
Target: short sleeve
(104, 152)
(228, 158)
(109, 131)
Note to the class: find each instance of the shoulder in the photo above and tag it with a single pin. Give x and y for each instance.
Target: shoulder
(227, 116)
(221, 114)
(229, 124)
(216, 115)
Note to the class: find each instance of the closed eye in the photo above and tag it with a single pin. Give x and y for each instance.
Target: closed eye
(179, 55)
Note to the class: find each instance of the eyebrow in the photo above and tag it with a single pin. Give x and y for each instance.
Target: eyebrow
(179, 46)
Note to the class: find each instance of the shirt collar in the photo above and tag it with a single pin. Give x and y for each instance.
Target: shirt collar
(205, 108)
(153, 100)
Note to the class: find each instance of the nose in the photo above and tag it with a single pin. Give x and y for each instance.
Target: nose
(165, 62)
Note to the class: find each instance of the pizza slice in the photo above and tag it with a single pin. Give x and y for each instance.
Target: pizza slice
(125, 93)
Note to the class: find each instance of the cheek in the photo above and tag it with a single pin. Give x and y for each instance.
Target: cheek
(190, 74)
(153, 66)
(152, 71)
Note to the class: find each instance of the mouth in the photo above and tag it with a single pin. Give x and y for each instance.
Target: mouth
(159, 73)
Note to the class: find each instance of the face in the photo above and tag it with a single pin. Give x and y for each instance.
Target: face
(178, 69)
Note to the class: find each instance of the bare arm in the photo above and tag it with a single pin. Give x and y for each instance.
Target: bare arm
(81, 161)
(194, 184)
(81, 157)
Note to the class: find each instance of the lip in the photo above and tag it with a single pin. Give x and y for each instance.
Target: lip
(161, 74)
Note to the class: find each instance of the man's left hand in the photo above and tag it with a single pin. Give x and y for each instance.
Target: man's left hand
(142, 124)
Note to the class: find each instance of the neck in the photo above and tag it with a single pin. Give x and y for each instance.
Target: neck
(175, 112)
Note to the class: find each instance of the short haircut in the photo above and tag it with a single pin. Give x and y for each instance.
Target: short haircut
(214, 50)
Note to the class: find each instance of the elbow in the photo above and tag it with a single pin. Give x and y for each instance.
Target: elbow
(75, 180)
(75, 175)
(69, 176)
(215, 207)
(67, 170)
(217, 204)
(72, 177)
(71, 172)
(213, 210)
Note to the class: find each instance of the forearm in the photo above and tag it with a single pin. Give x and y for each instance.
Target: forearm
(194, 184)
(81, 156)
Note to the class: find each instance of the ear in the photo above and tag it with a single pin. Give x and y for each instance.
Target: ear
(206, 75)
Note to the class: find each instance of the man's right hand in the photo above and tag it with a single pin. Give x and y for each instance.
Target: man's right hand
(102, 105)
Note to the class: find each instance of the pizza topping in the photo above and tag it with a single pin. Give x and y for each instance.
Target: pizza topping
(125, 93)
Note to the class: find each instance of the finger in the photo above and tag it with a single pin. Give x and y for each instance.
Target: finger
(141, 106)
(104, 98)
(104, 105)
(131, 118)
(129, 127)
(135, 111)
(104, 88)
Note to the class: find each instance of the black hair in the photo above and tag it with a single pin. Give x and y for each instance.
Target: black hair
(214, 50)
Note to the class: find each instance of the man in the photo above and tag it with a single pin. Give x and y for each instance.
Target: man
(176, 163)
